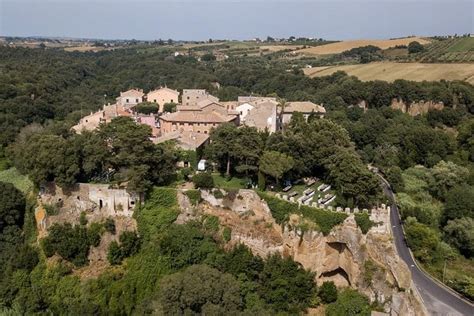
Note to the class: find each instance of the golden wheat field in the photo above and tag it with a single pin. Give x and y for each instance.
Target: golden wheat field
(336, 48)
(390, 71)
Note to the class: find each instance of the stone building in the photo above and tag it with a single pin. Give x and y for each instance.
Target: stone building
(306, 108)
(130, 98)
(162, 96)
(199, 119)
(192, 97)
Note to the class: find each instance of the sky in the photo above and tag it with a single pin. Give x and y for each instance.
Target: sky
(235, 19)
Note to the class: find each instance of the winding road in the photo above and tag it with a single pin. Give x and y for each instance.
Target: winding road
(437, 299)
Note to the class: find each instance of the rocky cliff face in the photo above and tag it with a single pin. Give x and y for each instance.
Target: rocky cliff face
(346, 256)
(416, 108)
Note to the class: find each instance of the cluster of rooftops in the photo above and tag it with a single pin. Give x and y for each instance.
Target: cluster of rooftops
(197, 112)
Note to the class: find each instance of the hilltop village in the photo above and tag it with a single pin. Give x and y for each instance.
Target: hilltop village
(188, 117)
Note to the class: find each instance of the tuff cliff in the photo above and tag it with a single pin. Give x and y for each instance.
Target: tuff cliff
(416, 108)
(346, 256)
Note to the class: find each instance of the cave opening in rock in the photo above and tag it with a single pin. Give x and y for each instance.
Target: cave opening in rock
(339, 276)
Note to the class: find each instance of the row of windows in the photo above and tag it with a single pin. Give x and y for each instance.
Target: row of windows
(128, 100)
(163, 100)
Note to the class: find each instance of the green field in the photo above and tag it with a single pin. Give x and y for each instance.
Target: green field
(20, 181)
(462, 45)
(448, 50)
(232, 183)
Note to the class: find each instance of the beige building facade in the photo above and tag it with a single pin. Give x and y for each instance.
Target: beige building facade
(162, 96)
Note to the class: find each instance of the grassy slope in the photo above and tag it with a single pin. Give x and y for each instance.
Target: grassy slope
(462, 45)
(20, 181)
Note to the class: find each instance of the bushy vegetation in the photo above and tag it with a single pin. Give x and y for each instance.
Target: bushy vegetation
(146, 108)
(436, 205)
(160, 211)
(364, 222)
(350, 303)
(194, 196)
(328, 292)
(70, 242)
(129, 245)
(281, 211)
(203, 180)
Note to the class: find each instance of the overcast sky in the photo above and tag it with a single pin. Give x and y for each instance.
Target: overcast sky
(235, 19)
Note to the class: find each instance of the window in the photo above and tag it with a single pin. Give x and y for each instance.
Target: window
(126, 100)
(188, 98)
(136, 100)
(172, 101)
(154, 100)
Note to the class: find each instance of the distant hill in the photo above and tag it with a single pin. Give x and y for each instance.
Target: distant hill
(339, 47)
(390, 71)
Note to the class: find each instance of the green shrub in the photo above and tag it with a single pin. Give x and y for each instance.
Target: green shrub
(110, 226)
(328, 292)
(203, 180)
(94, 232)
(227, 234)
(369, 271)
(211, 223)
(71, 243)
(83, 219)
(261, 181)
(129, 245)
(349, 303)
(281, 211)
(364, 222)
(114, 255)
(169, 107)
(194, 196)
(217, 194)
(51, 209)
(146, 108)
(326, 220)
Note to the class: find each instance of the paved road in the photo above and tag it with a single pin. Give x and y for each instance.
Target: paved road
(437, 299)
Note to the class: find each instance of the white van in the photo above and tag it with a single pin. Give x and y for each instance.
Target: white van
(202, 165)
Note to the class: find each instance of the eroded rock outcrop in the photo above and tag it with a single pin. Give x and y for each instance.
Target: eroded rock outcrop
(416, 108)
(346, 256)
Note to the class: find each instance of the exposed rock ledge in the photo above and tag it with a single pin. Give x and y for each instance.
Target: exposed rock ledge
(346, 256)
(416, 108)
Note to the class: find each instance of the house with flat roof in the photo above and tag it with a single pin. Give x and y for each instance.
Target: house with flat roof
(130, 97)
(162, 96)
(305, 107)
(192, 97)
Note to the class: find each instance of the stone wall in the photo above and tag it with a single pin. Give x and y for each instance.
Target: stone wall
(89, 197)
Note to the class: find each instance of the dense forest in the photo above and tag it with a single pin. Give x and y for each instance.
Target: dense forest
(428, 159)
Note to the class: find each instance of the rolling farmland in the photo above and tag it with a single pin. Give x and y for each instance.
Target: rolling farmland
(339, 47)
(390, 71)
(449, 50)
